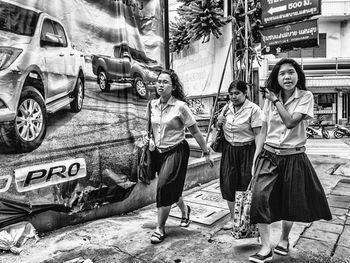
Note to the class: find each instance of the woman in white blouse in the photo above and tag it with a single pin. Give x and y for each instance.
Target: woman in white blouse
(241, 121)
(287, 187)
(170, 115)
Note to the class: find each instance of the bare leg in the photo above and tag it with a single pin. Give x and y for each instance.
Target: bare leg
(183, 207)
(229, 224)
(231, 206)
(264, 230)
(163, 213)
(284, 239)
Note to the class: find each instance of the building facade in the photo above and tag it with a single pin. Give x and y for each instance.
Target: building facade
(327, 67)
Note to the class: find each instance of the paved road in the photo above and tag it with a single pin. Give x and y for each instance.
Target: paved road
(329, 147)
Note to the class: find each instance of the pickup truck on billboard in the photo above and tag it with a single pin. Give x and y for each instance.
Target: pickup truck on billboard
(128, 65)
(40, 73)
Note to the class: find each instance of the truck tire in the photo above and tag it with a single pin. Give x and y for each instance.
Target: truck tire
(77, 104)
(140, 87)
(103, 83)
(28, 130)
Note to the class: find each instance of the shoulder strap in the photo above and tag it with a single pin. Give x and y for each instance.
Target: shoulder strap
(149, 123)
(225, 110)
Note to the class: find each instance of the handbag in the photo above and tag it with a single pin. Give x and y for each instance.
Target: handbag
(241, 221)
(145, 166)
(217, 143)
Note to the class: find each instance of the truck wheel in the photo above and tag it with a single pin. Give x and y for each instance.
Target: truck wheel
(140, 87)
(103, 81)
(28, 130)
(77, 104)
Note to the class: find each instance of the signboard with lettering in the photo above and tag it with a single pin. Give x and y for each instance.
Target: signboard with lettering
(289, 36)
(276, 12)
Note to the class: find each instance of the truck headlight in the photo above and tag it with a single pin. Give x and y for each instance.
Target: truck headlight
(8, 55)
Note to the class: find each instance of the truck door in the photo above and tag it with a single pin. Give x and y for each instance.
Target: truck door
(70, 58)
(122, 61)
(54, 68)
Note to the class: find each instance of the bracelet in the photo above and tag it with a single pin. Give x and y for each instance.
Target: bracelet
(275, 101)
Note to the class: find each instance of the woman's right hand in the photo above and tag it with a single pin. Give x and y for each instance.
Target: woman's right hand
(221, 120)
(145, 138)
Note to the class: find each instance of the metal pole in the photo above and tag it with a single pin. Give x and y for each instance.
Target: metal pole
(166, 33)
(246, 43)
(218, 93)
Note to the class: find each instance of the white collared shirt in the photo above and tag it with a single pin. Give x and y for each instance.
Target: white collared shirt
(169, 122)
(278, 135)
(239, 125)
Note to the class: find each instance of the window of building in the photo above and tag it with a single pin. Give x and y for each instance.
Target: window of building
(325, 107)
(312, 52)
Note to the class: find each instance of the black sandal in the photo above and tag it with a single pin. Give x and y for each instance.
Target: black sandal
(257, 258)
(157, 238)
(185, 222)
(283, 251)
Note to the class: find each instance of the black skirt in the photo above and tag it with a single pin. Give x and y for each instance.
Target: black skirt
(172, 168)
(235, 169)
(287, 188)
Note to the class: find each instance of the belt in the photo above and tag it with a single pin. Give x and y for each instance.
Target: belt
(167, 149)
(241, 143)
(284, 151)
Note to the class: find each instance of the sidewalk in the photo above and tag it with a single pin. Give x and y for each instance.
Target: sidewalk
(126, 238)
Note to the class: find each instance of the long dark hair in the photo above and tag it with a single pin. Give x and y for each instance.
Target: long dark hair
(178, 91)
(272, 81)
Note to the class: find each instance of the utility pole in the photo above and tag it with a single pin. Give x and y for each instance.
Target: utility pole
(246, 41)
(166, 33)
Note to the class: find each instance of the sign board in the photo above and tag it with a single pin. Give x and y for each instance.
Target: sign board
(276, 12)
(286, 37)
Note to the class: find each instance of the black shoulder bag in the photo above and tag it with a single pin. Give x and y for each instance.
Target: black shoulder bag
(217, 143)
(145, 170)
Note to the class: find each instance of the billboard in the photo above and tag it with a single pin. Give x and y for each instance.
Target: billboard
(75, 77)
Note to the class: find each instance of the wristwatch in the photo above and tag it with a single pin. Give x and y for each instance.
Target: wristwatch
(206, 153)
(275, 101)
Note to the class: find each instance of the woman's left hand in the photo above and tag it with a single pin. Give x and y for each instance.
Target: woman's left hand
(270, 95)
(209, 159)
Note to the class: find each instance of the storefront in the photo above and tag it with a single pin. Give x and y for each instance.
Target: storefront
(329, 80)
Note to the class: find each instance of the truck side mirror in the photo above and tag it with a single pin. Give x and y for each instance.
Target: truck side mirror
(126, 55)
(52, 40)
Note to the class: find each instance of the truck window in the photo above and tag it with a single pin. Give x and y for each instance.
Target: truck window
(117, 52)
(17, 20)
(61, 33)
(47, 28)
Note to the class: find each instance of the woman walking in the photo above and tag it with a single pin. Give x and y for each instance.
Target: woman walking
(241, 121)
(170, 115)
(287, 187)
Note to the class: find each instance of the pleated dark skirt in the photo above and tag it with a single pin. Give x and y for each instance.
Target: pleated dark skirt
(287, 188)
(235, 169)
(171, 167)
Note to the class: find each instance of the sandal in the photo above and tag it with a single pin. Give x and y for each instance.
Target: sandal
(157, 238)
(283, 251)
(260, 258)
(185, 222)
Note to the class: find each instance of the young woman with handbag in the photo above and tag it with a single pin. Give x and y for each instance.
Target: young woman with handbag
(170, 115)
(287, 187)
(241, 121)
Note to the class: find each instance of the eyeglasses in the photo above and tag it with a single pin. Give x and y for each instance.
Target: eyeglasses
(163, 81)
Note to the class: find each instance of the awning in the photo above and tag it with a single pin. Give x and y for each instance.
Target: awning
(334, 81)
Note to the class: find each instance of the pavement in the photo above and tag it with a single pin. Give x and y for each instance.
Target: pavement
(125, 238)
